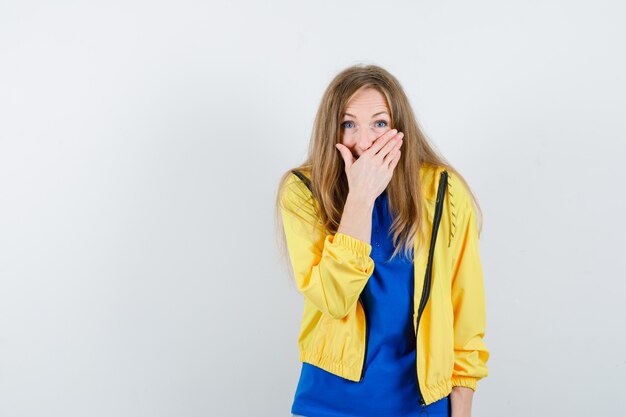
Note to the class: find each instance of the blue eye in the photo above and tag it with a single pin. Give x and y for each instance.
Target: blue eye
(382, 121)
(344, 124)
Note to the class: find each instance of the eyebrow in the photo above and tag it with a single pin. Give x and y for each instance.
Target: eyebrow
(352, 115)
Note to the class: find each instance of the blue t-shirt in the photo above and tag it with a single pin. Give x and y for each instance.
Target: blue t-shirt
(389, 386)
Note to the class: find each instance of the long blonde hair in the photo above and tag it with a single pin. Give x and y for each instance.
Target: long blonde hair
(325, 165)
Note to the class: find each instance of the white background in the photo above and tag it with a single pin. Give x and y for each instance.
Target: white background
(140, 147)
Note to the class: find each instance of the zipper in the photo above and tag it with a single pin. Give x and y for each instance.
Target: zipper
(429, 267)
(366, 331)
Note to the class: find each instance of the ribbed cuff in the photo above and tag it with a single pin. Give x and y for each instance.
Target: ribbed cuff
(464, 381)
(351, 242)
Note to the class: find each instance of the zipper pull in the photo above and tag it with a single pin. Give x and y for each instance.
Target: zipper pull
(423, 407)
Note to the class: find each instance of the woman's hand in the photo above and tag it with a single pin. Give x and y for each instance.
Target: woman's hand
(369, 174)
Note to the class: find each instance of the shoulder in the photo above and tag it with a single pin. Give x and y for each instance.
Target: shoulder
(457, 199)
(458, 191)
(430, 178)
(295, 188)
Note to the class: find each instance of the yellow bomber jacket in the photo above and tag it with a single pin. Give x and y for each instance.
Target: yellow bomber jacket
(332, 270)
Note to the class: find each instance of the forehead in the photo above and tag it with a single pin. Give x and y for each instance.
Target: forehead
(367, 101)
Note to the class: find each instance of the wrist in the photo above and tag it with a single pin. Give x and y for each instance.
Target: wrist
(360, 200)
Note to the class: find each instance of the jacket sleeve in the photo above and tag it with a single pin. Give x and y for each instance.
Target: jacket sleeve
(468, 299)
(330, 270)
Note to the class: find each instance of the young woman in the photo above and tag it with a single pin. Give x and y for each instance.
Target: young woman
(382, 238)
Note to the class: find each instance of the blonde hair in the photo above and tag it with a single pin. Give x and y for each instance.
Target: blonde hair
(324, 163)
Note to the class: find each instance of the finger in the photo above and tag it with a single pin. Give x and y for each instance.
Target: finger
(348, 159)
(393, 161)
(380, 142)
(391, 146)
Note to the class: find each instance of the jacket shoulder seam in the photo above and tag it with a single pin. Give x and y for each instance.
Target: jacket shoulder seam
(453, 207)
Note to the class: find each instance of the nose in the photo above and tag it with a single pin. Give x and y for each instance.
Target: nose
(365, 138)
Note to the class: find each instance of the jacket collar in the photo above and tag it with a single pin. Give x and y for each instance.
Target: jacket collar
(429, 180)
